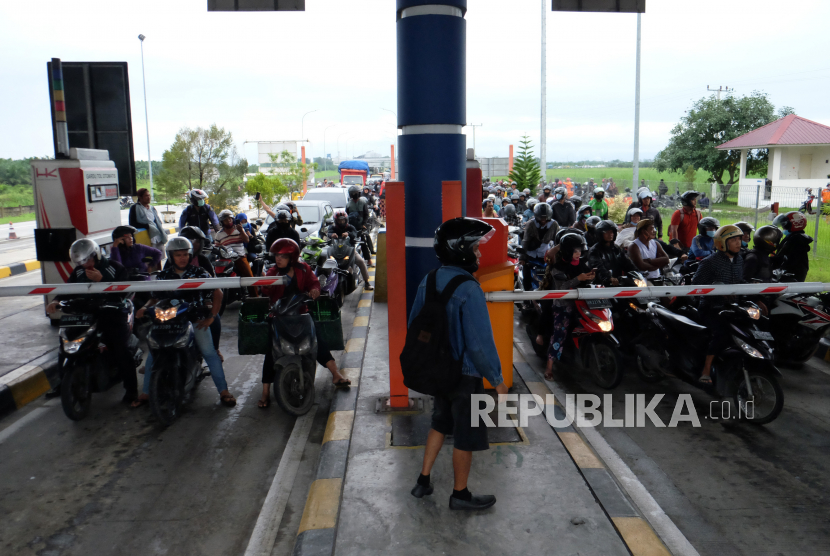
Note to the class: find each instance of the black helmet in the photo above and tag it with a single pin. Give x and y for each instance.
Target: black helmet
(122, 231)
(767, 238)
(283, 216)
(745, 227)
(192, 232)
(455, 241)
(687, 196)
(542, 211)
(565, 231)
(583, 210)
(607, 226)
(706, 223)
(569, 243)
(546, 187)
(510, 211)
(593, 221)
(354, 191)
(576, 202)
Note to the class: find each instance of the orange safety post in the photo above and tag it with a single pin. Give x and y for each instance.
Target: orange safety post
(495, 273)
(396, 286)
(305, 182)
(450, 200)
(394, 175)
(510, 164)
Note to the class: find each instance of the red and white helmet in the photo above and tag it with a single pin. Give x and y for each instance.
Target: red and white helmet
(196, 195)
(792, 221)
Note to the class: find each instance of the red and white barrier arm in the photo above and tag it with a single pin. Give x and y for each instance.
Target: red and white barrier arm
(144, 286)
(661, 291)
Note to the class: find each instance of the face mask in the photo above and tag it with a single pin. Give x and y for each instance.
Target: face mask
(710, 233)
(200, 202)
(575, 262)
(558, 196)
(744, 244)
(786, 232)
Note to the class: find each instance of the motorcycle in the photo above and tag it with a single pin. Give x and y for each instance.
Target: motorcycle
(339, 269)
(177, 361)
(312, 249)
(223, 260)
(536, 268)
(86, 367)
(674, 344)
(294, 349)
(797, 321)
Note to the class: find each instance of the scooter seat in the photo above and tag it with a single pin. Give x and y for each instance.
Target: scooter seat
(677, 320)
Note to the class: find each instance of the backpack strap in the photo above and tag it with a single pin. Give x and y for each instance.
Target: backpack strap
(431, 289)
(451, 286)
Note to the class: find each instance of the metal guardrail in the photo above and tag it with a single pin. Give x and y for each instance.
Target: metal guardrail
(144, 286)
(660, 291)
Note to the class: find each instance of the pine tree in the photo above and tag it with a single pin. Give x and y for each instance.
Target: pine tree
(526, 172)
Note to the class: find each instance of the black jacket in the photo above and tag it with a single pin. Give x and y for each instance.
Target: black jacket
(757, 264)
(532, 241)
(564, 213)
(279, 232)
(795, 248)
(610, 262)
(111, 271)
(347, 229)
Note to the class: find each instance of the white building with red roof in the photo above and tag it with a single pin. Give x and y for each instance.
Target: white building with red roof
(799, 157)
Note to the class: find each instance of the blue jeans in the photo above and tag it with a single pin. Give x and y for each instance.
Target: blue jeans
(204, 341)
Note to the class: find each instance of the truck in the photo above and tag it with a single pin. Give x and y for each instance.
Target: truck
(353, 172)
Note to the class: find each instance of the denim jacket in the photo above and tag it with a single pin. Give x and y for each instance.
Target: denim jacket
(702, 247)
(470, 330)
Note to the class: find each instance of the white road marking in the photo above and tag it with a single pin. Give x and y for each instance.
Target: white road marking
(36, 413)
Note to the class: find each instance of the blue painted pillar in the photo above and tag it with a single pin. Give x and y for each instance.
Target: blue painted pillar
(432, 97)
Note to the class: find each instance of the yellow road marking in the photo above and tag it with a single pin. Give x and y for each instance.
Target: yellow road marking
(361, 321)
(580, 452)
(321, 505)
(539, 389)
(352, 374)
(339, 426)
(640, 537)
(31, 265)
(5, 272)
(355, 344)
(364, 303)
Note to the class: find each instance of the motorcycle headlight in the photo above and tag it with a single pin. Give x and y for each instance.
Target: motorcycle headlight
(286, 348)
(751, 351)
(304, 347)
(640, 283)
(72, 346)
(604, 325)
(323, 281)
(163, 315)
(752, 312)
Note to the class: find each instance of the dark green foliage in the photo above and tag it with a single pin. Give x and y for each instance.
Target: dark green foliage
(526, 172)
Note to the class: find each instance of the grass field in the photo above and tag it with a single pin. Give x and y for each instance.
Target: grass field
(22, 218)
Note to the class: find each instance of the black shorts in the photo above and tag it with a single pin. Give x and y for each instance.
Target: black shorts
(451, 415)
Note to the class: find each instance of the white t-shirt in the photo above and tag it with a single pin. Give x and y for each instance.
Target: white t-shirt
(233, 241)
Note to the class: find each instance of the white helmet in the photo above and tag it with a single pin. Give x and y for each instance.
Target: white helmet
(196, 195)
(224, 214)
(178, 244)
(82, 249)
(643, 192)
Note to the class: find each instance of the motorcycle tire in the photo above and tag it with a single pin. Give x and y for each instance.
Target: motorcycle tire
(166, 393)
(224, 302)
(540, 350)
(765, 387)
(287, 390)
(76, 398)
(605, 366)
(647, 376)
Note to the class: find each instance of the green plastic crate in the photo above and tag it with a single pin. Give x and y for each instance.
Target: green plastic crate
(254, 338)
(326, 315)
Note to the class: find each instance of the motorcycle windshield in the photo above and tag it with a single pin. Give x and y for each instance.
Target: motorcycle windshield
(341, 249)
(294, 328)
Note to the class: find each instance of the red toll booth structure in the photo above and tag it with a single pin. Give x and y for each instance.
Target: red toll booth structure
(75, 197)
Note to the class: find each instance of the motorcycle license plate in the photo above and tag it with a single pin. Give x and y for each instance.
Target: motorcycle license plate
(598, 304)
(76, 320)
(761, 335)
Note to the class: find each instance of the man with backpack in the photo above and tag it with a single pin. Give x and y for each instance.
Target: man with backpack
(684, 221)
(449, 350)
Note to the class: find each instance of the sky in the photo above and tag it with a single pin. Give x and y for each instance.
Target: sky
(256, 74)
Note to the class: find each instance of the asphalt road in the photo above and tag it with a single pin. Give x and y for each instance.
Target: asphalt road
(116, 483)
(732, 488)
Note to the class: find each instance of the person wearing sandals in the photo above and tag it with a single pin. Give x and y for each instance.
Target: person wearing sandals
(287, 258)
(180, 253)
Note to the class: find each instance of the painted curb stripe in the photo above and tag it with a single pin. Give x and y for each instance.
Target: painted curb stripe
(322, 505)
(365, 303)
(640, 537)
(339, 426)
(314, 541)
(26, 384)
(333, 457)
(584, 456)
(355, 344)
(360, 321)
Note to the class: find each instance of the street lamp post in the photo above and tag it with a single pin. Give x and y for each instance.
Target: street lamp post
(146, 118)
(302, 125)
(325, 159)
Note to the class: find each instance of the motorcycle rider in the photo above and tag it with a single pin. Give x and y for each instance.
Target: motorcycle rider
(628, 232)
(583, 214)
(703, 244)
(644, 203)
(488, 210)
(92, 266)
(198, 213)
(296, 219)
(504, 203)
(235, 238)
(281, 229)
(607, 257)
(180, 253)
(287, 257)
(133, 256)
(522, 203)
(747, 229)
(539, 232)
(758, 260)
(646, 254)
(570, 271)
(199, 242)
(563, 211)
(370, 198)
(792, 255)
(598, 204)
(527, 215)
(358, 211)
(543, 196)
(591, 237)
(685, 220)
(510, 215)
(662, 189)
(342, 229)
(294, 216)
(725, 266)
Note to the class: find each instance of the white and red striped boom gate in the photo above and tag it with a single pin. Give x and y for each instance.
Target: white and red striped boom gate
(661, 291)
(144, 286)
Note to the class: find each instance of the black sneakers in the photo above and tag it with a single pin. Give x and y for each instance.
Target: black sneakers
(475, 503)
(420, 490)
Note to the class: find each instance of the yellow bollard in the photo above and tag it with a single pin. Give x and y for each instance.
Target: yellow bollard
(497, 278)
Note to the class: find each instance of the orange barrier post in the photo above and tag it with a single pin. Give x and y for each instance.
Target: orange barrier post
(510, 165)
(305, 181)
(394, 174)
(396, 287)
(450, 200)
